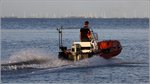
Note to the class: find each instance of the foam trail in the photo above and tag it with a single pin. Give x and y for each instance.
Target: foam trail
(37, 58)
(33, 58)
(29, 54)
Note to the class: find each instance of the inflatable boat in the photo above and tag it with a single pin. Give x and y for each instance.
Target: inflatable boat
(83, 50)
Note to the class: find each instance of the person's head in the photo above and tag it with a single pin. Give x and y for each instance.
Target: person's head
(86, 23)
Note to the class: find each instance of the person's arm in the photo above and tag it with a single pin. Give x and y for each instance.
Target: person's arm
(80, 35)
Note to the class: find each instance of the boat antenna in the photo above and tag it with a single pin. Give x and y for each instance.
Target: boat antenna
(60, 36)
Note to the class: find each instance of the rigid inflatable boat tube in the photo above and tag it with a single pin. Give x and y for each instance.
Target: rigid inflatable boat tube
(109, 48)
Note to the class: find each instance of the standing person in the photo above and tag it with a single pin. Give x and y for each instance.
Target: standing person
(85, 33)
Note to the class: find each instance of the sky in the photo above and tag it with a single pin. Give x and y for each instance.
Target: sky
(75, 8)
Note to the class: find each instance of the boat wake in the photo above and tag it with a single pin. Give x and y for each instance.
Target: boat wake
(32, 60)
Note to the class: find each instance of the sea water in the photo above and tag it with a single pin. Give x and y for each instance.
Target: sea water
(25, 39)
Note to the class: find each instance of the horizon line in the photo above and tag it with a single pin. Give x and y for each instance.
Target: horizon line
(69, 17)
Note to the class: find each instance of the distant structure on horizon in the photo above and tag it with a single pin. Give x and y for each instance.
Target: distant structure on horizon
(69, 15)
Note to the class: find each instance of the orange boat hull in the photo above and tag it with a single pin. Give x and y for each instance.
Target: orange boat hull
(109, 48)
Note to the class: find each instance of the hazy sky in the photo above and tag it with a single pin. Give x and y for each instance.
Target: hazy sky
(63, 8)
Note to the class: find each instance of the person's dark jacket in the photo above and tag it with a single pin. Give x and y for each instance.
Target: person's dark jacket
(84, 33)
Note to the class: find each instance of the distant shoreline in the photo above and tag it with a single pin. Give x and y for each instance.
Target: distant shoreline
(76, 18)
